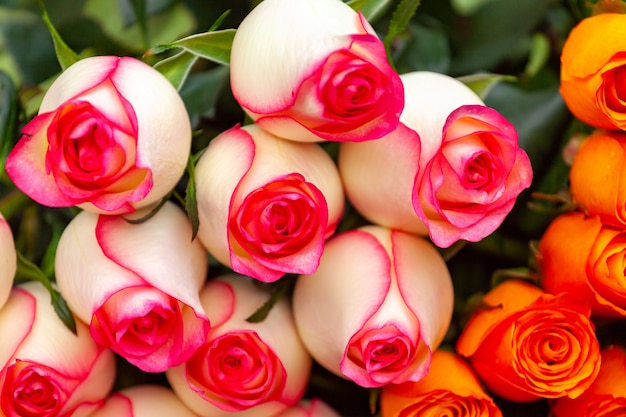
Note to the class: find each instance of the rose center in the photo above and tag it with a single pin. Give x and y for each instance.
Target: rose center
(479, 172)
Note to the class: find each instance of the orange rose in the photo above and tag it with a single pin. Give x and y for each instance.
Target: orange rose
(530, 344)
(592, 64)
(596, 177)
(581, 256)
(449, 388)
(606, 396)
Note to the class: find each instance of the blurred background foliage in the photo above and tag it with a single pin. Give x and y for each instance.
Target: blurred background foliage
(520, 39)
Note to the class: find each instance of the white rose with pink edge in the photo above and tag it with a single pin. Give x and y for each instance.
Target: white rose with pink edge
(112, 135)
(266, 205)
(243, 369)
(313, 70)
(376, 308)
(137, 285)
(8, 260)
(46, 370)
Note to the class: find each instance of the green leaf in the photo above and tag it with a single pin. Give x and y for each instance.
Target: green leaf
(176, 68)
(218, 22)
(372, 10)
(498, 31)
(163, 23)
(150, 214)
(8, 117)
(286, 283)
(191, 203)
(482, 84)
(424, 48)
(214, 46)
(139, 8)
(400, 20)
(29, 271)
(202, 91)
(539, 54)
(468, 7)
(64, 54)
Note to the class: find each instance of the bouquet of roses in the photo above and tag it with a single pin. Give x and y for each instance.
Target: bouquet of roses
(309, 256)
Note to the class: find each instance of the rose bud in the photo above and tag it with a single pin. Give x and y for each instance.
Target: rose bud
(581, 256)
(596, 176)
(309, 408)
(266, 205)
(112, 135)
(606, 397)
(243, 368)
(376, 308)
(319, 74)
(143, 401)
(449, 389)
(8, 260)
(48, 371)
(452, 169)
(526, 344)
(592, 70)
(136, 285)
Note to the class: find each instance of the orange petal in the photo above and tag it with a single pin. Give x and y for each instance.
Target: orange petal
(507, 298)
(596, 175)
(583, 54)
(448, 372)
(565, 247)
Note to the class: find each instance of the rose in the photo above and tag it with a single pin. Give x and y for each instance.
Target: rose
(379, 176)
(341, 89)
(136, 285)
(528, 345)
(579, 255)
(449, 388)
(389, 298)
(309, 408)
(606, 397)
(46, 370)
(592, 67)
(112, 135)
(266, 205)
(472, 182)
(8, 260)
(244, 368)
(143, 401)
(453, 167)
(598, 187)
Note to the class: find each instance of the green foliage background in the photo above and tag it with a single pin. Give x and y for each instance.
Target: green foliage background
(518, 39)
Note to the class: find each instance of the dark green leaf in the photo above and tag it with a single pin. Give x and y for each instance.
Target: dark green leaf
(482, 84)
(28, 46)
(191, 203)
(176, 68)
(424, 48)
(539, 54)
(8, 117)
(139, 9)
(372, 10)
(150, 214)
(65, 55)
(201, 92)
(29, 271)
(468, 7)
(166, 21)
(218, 22)
(214, 46)
(498, 31)
(400, 20)
(285, 284)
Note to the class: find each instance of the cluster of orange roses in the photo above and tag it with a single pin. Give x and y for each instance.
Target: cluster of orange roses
(531, 342)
